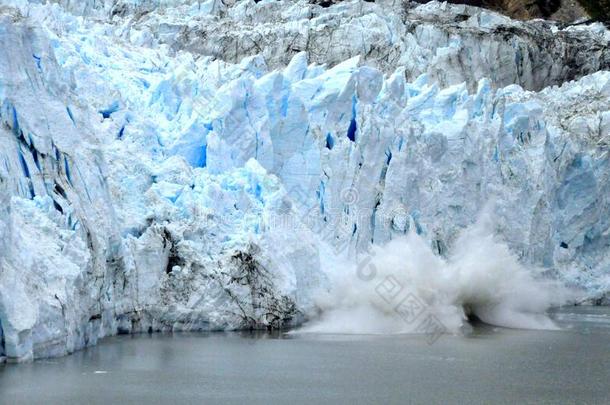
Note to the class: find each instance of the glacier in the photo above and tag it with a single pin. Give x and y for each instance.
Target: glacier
(206, 165)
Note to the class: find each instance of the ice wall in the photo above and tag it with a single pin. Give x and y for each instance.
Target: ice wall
(158, 174)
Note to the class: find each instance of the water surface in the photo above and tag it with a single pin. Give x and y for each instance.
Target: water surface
(492, 365)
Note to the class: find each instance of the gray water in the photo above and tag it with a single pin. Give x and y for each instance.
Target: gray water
(491, 365)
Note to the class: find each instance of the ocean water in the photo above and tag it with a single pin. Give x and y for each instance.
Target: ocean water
(488, 365)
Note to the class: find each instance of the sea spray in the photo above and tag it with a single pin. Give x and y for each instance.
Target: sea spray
(402, 286)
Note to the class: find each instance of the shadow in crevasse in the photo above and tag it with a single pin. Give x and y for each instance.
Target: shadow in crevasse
(2, 344)
(523, 9)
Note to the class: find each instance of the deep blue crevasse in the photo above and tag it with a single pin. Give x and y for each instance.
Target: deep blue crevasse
(112, 108)
(330, 142)
(67, 168)
(353, 126)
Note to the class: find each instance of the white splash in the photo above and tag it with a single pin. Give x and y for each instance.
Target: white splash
(398, 286)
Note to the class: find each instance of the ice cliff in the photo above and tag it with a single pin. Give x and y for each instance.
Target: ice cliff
(203, 165)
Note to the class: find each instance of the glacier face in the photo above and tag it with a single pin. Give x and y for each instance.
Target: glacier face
(204, 165)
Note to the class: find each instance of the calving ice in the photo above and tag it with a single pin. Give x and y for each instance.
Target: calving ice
(405, 287)
(145, 150)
